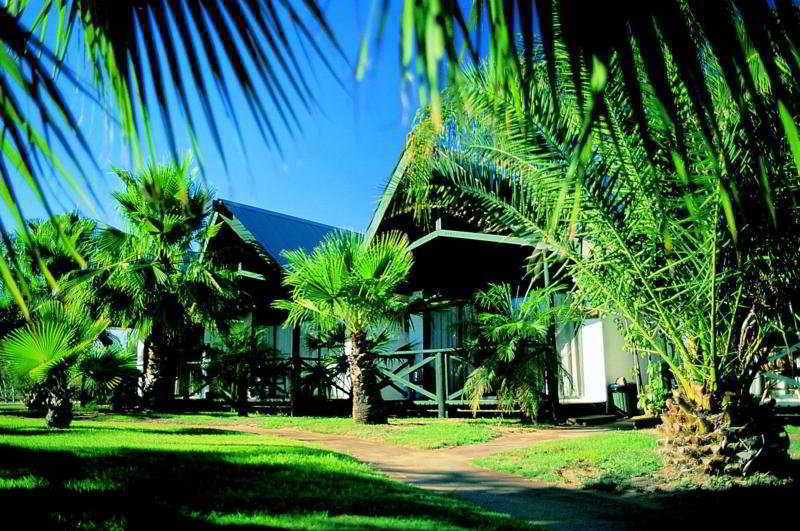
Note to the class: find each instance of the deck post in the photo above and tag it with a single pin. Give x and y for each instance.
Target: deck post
(294, 373)
(441, 385)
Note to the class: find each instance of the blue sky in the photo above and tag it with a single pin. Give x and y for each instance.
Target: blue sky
(333, 172)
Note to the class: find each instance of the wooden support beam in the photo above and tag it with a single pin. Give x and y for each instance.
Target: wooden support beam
(297, 365)
(441, 385)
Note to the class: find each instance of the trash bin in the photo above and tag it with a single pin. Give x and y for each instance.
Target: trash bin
(623, 399)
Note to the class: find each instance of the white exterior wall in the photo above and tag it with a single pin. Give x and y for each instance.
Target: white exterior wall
(401, 340)
(619, 362)
(595, 357)
(593, 363)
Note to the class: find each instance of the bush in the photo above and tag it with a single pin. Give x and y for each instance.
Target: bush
(653, 398)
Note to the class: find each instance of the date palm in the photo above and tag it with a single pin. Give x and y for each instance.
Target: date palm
(348, 282)
(647, 239)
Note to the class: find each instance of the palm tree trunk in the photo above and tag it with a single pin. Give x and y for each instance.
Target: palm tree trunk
(59, 406)
(35, 400)
(739, 439)
(160, 374)
(242, 407)
(367, 400)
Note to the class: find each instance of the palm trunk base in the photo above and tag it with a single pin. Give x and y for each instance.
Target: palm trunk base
(738, 441)
(368, 410)
(367, 400)
(35, 400)
(59, 413)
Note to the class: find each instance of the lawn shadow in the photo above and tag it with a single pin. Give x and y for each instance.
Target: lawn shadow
(607, 508)
(134, 488)
(25, 432)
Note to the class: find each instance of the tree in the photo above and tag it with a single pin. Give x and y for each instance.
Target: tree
(119, 40)
(43, 254)
(107, 373)
(151, 277)
(48, 351)
(512, 346)
(649, 239)
(347, 281)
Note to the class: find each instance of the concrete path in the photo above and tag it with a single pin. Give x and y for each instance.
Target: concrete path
(449, 470)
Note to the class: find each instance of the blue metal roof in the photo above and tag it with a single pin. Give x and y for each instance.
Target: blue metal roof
(278, 232)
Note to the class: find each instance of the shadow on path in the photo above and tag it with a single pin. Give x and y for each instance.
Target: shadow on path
(449, 470)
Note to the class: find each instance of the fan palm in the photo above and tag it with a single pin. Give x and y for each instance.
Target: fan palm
(323, 376)
(43, 254)
(648, 239)
(48, 350)
(513, 349)
(150, 277)
(105, 371)
(348, 282)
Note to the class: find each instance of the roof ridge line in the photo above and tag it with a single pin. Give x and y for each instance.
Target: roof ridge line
(283, 215)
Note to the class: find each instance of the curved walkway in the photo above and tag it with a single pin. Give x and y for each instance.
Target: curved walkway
(450, 470)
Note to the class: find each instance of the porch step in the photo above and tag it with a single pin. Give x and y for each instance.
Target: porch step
(591, 420)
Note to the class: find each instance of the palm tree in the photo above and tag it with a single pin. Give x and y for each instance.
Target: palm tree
(43, 254)
(513, 349)
(120, 38)
(107, 373)
(647, 239)
(348, 282)
(48, 350)
(151, 277)
(118, 41)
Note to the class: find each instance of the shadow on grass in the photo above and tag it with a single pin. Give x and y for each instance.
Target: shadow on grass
(613, 509)
(138, 488)
(26, 432)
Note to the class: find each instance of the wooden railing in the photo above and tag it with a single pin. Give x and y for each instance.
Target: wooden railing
(401, 377)
(402, 371)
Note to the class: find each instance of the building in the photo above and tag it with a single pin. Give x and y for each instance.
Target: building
(452, 261)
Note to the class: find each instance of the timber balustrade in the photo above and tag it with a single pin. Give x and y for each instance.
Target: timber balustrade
(426, 377)
(407, 378)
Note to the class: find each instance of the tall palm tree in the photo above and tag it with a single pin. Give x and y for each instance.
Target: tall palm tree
(48, 350)
(347, 281)
(150, 277)
(648, 239)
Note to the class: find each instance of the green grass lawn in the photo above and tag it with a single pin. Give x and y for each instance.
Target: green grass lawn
(609, 461)
(605, 460)
(794, 434)
(422, 433)
(119, 473)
